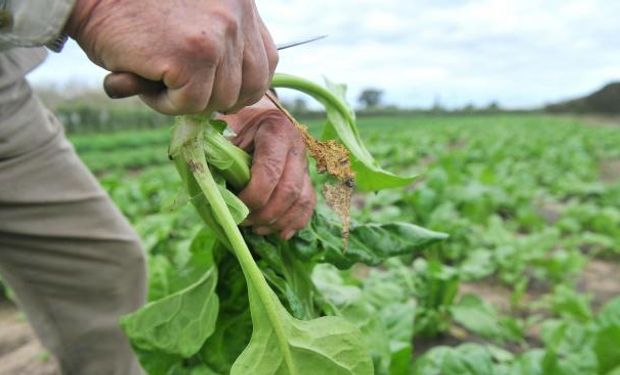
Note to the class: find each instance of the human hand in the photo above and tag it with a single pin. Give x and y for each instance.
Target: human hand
(210, 55)
(280, 194)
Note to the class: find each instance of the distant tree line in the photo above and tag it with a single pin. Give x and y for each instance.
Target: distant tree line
(82, 118)
(83, 110)
(603, 101)
(89, 110)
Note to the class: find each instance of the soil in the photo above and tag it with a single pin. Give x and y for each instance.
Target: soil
(20, 351)
(601, 120)
(610, 170)
(600, 279)
(22, 354)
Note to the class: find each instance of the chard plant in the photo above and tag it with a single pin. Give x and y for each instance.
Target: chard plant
(245, 304)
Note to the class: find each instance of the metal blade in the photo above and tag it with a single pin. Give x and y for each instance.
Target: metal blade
(299, 42)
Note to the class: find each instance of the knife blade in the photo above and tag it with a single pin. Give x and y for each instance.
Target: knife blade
(296, 43)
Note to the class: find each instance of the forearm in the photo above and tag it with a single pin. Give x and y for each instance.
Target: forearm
(29, 23)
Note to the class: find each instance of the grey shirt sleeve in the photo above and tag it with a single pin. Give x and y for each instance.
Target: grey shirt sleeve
(33, 22)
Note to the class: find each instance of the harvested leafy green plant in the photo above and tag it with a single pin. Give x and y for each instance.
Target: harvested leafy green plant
(249, 304)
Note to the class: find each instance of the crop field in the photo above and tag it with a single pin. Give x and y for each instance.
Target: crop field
(527, 283)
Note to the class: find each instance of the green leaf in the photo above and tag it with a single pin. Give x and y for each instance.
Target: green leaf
(369, 175)
(381, 310)
(237, 208)
(332, 286)
(370, 244)
(480, 318)
(478, 264)
(565, 336)
(188, 134)
(232, 335)
(327, 345)
(400, 361)
(575, 363)
(290, 275)
(607, 348)
(280, 344)
(399, 320)
(158, 363)
(529, 363)
(234, 322)
(467, 359)
(368, 320)
(471, 359)
(570, 304)
(159, 271)
(229, 160)
(190, 267)
(180, 322)
(610, 313)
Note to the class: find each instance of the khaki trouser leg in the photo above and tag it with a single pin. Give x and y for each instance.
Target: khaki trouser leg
(73, 261)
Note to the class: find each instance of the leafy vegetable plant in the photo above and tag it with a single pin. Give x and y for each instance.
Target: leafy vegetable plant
(243, 304)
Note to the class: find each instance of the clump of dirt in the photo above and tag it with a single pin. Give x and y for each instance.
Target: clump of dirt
(601, 279)
(610, 170)
(334, 159)
(551, 212)
(331, 157)
(339, 199)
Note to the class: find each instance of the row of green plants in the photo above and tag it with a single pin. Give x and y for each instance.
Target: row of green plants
(525, 208)
(520, 196)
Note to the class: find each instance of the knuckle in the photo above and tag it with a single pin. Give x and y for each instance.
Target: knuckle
(272, 170)
(291, 191)
(200, 45)
(276, 131)
(229, 22)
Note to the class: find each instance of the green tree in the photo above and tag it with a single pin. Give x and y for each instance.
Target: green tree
(370, 98)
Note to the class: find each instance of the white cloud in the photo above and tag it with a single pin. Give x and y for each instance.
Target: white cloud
(522, 53)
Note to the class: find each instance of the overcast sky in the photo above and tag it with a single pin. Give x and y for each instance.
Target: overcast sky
(522, 53)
